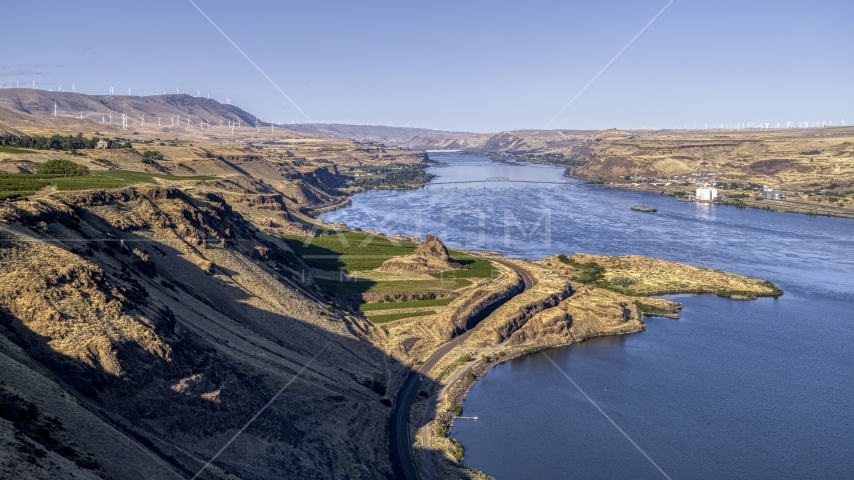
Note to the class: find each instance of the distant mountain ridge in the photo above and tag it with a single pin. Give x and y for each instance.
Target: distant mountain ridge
(369, 133)
(512, 141)
(96, 107)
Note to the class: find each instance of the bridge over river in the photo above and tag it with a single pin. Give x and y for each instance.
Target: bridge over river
(504, 180)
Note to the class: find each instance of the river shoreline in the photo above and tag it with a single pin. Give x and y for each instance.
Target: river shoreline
(753, 203)
(455, 381)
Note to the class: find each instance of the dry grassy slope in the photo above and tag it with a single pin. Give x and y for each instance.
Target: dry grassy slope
(767, 157)
(456, 141)
(164, 313)
(367, 133)
(542, 141)
(189, 140)
(298, 173)
(773, 157)
(26, 105)
(654, 276)
(69, 104)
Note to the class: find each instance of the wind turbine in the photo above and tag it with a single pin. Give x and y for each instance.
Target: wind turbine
(176, 91)
(60, 87)
(110, 116)
(103, 119)
(843, 122)
(143, 119)
(81, 115)
(158, 120)
(128, 92)
(54, 109)
(34, 84)
(72, 88)
(227, 101)
(198, 93)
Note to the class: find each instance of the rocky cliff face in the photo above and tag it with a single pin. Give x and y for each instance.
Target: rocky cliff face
(151, 324)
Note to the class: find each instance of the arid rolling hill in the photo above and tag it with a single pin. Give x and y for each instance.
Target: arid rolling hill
(517, 141)
(95, 107)
(779, 158)
(142, 326)
(367, 133)
(789, 159)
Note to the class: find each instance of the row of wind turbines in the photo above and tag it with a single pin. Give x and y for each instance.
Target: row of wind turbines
(735, 126)
(107, 119)
(759, 125)
(112, 90)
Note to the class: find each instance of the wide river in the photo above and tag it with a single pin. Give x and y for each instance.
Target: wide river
(733, 389)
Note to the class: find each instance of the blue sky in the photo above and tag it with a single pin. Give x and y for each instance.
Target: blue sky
(472, 65)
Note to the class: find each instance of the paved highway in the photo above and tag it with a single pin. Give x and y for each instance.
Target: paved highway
(401, 442)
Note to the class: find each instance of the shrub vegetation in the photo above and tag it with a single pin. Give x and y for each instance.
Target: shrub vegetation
(62, 167)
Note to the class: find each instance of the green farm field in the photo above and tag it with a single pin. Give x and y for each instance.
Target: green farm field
(25, 184)
(349, 253)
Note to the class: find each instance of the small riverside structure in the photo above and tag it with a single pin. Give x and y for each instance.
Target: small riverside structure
(770, 194)
(706, 194)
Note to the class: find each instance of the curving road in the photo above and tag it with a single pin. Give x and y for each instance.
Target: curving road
(401, 442)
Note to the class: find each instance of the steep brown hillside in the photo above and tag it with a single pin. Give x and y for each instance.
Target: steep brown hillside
(159, 321)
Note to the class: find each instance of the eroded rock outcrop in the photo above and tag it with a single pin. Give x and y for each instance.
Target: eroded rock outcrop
(430, 257)
(111, 299)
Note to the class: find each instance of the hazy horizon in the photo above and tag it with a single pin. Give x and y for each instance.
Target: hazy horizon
(459, 67)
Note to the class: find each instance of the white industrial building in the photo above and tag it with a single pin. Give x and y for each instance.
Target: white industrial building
(706, 194)
(771, 194)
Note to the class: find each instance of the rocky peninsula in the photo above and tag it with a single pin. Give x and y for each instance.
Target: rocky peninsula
(573, 298)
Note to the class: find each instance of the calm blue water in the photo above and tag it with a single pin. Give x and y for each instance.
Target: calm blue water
(761, 389)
